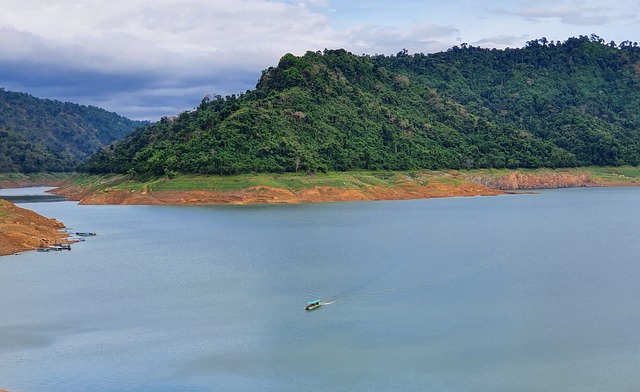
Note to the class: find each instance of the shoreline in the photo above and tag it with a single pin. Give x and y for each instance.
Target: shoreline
(322, 188)
(23, 230)
(274, 195)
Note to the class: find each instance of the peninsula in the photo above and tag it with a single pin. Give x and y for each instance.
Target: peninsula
(22, 230)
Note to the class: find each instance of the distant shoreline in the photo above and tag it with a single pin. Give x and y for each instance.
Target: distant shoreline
(260, 194)
(23, 230)
(291, 188)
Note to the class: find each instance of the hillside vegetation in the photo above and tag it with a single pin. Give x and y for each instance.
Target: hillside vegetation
(44, 135)
(549, 104)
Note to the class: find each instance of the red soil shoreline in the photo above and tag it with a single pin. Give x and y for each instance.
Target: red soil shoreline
(271, 195)
(22, 230)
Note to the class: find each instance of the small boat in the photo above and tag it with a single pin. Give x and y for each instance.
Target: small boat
(311, 305)
(62, 246)
(81, 234)
(43, 249)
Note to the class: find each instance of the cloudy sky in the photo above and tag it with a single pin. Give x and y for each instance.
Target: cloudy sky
(150, 58)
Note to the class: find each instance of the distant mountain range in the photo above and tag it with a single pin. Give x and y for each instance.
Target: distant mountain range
(46, 135)
(549, 104)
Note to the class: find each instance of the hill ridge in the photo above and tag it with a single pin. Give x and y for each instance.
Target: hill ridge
(549, 104)
(49, 135)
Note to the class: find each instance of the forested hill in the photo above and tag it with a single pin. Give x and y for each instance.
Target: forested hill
(549, 104)
(46, 135)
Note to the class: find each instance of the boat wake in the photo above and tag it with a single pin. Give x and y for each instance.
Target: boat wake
(438, 280)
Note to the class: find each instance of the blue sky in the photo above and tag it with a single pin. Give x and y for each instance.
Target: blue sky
(150, 58)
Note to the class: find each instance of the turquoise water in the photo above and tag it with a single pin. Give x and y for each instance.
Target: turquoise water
(511, 293)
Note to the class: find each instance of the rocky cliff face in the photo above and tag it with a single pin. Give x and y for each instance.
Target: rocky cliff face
(516, 180)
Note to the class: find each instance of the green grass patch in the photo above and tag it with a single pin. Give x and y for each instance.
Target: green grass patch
(290, 181)
(451, 181)
(3, 214)
(35, 178)
(350, 180)
(619, 174)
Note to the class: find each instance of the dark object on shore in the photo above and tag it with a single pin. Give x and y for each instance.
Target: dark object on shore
(82, 234)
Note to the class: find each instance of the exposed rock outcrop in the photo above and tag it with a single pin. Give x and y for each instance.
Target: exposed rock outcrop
(517, 180)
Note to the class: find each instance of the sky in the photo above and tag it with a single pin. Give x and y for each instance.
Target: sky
(145, 59)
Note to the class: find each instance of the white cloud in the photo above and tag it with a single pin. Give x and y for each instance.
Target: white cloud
(581, 13)
(176, 40)
(571, 15)
(142, 34)
(387, 40)
(156, 51)
(500, 41)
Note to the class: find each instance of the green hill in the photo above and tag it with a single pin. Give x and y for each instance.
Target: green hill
(47, 135)
(545, 105)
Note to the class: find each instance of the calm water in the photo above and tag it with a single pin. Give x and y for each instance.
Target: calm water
(511, 293)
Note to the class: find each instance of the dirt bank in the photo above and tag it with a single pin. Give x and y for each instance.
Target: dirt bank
(451, 184)
(270, 195)
(22, 230)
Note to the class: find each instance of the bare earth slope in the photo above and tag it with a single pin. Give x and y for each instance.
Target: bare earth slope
(271, 195)
(452, 184)
(21, 229)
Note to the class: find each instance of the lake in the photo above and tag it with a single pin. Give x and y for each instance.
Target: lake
(533, 292)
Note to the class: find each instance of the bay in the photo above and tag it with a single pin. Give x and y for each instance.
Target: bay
(512, 293)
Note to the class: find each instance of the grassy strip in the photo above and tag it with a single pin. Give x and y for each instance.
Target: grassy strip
(3, 213)
(349, 180)
(620, 174)
(33, 178)
(290, 181)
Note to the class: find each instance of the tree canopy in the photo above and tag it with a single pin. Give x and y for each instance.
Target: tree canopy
(47, 135)
(549, 104)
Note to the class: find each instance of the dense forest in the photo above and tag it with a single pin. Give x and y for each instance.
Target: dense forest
(549, 104)
(46, 135)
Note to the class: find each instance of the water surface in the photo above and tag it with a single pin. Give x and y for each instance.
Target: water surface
(511, 293)
(29, 195)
